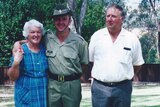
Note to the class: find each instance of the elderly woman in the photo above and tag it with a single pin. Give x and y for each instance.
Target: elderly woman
(28, 68)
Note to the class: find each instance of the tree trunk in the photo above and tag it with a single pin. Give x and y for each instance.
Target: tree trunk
(152, 3)
(77, 22)
(82, 14)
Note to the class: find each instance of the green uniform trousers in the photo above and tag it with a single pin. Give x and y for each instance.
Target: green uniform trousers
(64, 94)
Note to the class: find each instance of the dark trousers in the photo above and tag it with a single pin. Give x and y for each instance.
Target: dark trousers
(111, 96)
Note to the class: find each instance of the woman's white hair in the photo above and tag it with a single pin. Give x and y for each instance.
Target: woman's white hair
(30, 23)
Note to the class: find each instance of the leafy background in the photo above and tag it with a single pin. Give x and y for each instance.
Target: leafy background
(14, 13)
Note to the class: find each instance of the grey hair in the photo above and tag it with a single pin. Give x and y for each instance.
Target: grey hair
(123, 12)
(30, 23)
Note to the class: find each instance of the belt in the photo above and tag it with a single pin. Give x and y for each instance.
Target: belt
(63, 78)
(111, 84)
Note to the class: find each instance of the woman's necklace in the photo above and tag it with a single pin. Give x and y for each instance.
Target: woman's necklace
(36, 58)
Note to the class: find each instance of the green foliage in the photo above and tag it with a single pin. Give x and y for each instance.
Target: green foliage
(151, 56)
(148, 48)
(95, 16)
(94, 20)
(13, 15)
(146, 18)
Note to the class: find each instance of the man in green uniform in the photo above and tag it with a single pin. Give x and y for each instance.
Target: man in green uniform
(67, 54)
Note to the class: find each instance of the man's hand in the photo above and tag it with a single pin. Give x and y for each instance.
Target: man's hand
(17, 46)
(13, 71)
(18, 56)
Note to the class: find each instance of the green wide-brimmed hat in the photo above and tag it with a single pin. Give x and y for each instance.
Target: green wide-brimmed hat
(61, 10)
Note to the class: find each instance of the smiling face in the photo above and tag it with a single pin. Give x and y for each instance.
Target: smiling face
(35, 35)
(62, 22)
(114, 19)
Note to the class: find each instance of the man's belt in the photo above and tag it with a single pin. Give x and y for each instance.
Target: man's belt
(112, 83)
(62, 78)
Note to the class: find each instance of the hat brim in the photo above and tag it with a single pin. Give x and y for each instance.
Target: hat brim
(64, 14)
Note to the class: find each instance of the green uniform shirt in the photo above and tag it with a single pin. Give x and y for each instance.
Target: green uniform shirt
(66, 58)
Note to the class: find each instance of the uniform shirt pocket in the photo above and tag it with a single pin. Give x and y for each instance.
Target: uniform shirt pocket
(69, 52)
(70, 55)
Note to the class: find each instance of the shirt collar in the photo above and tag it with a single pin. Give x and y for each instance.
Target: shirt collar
(106, 32)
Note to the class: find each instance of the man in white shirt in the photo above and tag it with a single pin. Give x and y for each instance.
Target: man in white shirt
(116, 56)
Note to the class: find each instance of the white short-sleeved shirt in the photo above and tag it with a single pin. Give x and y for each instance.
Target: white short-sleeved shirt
(113, 62)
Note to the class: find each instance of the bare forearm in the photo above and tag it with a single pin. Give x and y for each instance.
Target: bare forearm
(137, 69)
(84, 68)
(13, 71)
(84, 72)
(21, 42)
